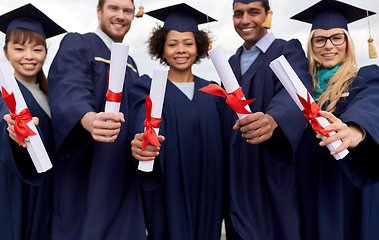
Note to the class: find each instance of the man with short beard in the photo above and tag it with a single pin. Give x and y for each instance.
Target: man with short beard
(96, 192)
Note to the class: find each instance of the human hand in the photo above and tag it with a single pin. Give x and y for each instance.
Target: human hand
(257, 127)
(103, 126)
(150, 151)
(349, 135)
(12, 133)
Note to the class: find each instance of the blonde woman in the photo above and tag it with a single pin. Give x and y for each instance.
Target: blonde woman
(339, 200)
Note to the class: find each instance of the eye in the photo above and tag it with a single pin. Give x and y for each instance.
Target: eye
(237, 15)
(254, 12)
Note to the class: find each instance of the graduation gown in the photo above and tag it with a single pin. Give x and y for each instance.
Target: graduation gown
(25, 195)
(262, 198)
(96, 191)
(340, 199)
(183, 195)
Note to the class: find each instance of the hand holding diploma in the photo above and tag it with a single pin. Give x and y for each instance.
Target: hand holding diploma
(23, 125)
(154, 105)
(306, 104)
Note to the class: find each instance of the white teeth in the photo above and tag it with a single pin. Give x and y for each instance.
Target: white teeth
(329, 55)
(28, 65)
(246, 29)
(180, 59)
(118, 25)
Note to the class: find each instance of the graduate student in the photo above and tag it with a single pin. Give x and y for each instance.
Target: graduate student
(262, 198)
(340, 199)
(183, 195)
(25, 195)
(96, 191)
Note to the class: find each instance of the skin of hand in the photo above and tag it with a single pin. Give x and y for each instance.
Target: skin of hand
(149, 153)
(350, 135)
(103, 126)
(10, 128)
(257, 127)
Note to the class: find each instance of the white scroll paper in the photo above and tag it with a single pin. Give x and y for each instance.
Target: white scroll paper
(157, 93)
(293, 85)
(119, 58)
(225, 73)
(35, 146)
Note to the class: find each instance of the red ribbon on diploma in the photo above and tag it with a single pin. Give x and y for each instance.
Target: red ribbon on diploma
(113, 97)
(311, 112)
(233, 99)
(149, 135)
(21, 129)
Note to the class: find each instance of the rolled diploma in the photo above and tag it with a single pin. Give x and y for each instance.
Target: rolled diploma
(157, 93)
(225, 73)
(35, 146)
(293, 85)
(119, 59)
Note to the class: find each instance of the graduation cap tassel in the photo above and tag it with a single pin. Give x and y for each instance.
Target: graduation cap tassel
(267, 23)
(371, 48)
(140, 11)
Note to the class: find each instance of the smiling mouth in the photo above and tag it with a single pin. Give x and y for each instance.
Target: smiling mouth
(28, 65)
(329, 55)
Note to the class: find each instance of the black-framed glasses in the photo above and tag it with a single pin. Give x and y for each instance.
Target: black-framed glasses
(335, 39)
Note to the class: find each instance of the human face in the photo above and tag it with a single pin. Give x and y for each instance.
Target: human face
(247, 19)
(180, 50)
(27, 59)
(329, 55)
(116, 18)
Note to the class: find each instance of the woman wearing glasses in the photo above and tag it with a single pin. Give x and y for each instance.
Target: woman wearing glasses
(339, 200)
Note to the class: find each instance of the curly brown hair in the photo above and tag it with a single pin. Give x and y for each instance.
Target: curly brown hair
(158, 39)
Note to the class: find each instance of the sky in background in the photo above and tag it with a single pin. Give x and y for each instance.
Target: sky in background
(80, 16)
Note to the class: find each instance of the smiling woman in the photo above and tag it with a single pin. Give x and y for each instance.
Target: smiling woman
(182, 196)
(25, 195)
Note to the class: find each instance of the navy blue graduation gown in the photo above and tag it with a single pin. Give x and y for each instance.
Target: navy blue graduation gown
(340, 199)
(183, 195)
(262, 198)
(25, 195)
(96, 190)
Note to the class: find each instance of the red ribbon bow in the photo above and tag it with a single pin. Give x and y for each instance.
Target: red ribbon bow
(233, 99)
(149, 135)
(20, 127)
(311, 112)
(113, 97)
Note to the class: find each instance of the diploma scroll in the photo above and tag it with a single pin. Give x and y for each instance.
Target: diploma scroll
(119, 58)
(297, 90)
(226, 74)
(157, 94)
(35, 146)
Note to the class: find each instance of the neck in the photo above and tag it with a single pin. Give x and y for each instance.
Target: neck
(250, 44)
(180, 76)
(28, 79)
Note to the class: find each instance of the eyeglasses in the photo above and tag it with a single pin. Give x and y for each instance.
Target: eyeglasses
(336, 39)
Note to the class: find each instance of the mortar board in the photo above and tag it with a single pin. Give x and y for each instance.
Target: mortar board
(328, 14)
(29, 17)
(249, 1)
(180, 17)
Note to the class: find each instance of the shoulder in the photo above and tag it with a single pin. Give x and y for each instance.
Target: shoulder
(291, 44)
(368, 75)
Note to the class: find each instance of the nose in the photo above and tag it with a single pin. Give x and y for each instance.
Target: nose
(28, 54)
(328, 44)
(120, 15)
(181, 48)
(245, 19)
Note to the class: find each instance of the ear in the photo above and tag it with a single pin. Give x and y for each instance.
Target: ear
(99, 12)
(163, 55)
(5, 53)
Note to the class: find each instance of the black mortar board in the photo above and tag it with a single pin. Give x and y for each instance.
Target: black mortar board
(181, 17)
(328, 14)
(29, 17)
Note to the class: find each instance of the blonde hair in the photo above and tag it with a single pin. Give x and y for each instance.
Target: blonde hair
(340, 81)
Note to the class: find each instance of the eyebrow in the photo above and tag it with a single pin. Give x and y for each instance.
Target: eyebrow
(251, 9)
